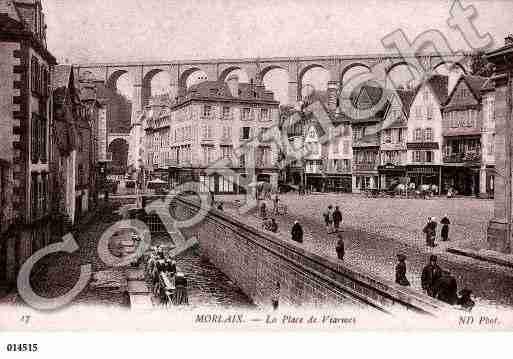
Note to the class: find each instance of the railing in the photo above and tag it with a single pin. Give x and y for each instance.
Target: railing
(463, 158)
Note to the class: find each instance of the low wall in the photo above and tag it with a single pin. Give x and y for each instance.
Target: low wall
(256, 261)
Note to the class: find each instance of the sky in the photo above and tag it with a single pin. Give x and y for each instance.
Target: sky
(137, 30)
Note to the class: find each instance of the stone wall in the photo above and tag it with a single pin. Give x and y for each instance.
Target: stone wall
(256, 261)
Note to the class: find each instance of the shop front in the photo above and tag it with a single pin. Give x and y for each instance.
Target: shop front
(464, 179)
(390, 174)
(425, 175)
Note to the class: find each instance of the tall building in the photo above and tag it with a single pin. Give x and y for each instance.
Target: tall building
(465, 167)
(393, 135)
(25, 67)
(215, 121)
(424, 136)
(371, 103)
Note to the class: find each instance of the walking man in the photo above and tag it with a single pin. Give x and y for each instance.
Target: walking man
(430, 276)
(328, 218)
(337, 218)
(297, 232)
(340, 248)
(430, 231)
(400, 271)
(444, 234)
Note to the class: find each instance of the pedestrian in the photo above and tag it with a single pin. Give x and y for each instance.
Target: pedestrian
(263, 210)
(212, 199)
(337, 218)
(430, 231)
(275, 296)
(340, 248)
(297, 232)
(465, 300)
(328, 218)
(430, 275)
(274, 226)
(446, 288)
(444, 234)
(400, 271)
(276, 201)
(220, 206)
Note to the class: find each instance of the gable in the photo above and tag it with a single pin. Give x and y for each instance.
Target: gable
(363, 101)
(311, 134)
(462, 95)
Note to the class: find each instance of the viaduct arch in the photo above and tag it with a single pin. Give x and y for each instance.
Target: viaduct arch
(380, 66)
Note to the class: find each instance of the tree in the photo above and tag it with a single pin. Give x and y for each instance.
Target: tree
(480, 66)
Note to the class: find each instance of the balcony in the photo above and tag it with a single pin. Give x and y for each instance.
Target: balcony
(468, 158)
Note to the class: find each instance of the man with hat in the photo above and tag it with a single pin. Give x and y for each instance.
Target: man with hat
(400, 271)
(430, 231)
(430, 276)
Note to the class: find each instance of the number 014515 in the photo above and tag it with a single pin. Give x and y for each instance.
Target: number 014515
(22, 347)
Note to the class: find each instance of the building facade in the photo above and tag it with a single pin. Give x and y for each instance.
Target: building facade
(465, 170)
(213, 122)
(25, 67)
(424, 133)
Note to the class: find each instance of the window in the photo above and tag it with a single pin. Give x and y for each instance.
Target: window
(227, 133)
(226, 152)
(242, 160)
(226, 113)
(429, 156)
(226, 184)
(387, 136)
(245, 133)
(207, 132)
(35, 137)
(264, 156)
(245, 114)
(428, 135)
(418, 112)
(425, 94)
(345, 149)
(429, 112)
(418, 134)
(264, 114)
(400, 135)
(207, 111)
(491, 144)
(208, 183)
(336, 145)
(34, 72)
(208, 154)
(417, 156)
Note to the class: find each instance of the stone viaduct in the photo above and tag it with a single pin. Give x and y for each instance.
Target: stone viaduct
(141, 73)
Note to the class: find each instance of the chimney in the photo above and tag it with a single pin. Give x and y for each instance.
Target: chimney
(233, 85)
(508, 40)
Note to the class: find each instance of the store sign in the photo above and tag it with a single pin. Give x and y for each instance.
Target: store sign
(422, 145)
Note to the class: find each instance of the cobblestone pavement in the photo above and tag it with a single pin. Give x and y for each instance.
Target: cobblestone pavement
(375, 230)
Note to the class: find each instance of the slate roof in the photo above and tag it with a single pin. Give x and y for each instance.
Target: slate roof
(475, 83)
(406, 97)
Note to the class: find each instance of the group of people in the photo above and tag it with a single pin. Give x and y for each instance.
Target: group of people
(430, 230)
(161, 272)
(436, 282)
(332, 219)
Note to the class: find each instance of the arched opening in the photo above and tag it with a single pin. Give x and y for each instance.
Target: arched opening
(121, 83)
(119, 98)
(352, 77)
(234, 70)
(276, 79)
(403, 75)
(313, 78)
(155, 83)
(119, 150)
(451, 70)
